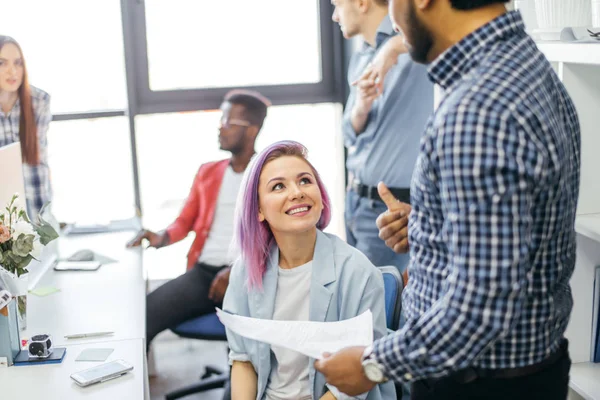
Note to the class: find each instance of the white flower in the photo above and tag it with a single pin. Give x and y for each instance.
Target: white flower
(23, 227)
(37, 249)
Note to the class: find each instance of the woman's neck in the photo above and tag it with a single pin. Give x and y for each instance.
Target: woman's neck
(296, 249)
(7, 100)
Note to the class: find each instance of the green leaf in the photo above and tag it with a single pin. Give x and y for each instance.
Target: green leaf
(24, 263)
(23, 245)
(16, 264)
(10, 261)
(44, 229)
(12, 257)
(24, 217)
(46, 232)
(1, 256)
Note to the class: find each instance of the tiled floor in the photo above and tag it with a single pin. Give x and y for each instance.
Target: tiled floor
(180, 362)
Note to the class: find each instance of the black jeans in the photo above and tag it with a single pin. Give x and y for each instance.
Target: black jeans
(551, 383)
(179, 300)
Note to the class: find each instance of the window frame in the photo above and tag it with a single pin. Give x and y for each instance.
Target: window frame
(333, 88)
(329, 89)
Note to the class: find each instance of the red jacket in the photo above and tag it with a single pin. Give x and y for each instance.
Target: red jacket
(199, 209)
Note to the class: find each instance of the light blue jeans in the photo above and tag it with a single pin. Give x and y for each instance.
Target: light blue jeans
(362, 233)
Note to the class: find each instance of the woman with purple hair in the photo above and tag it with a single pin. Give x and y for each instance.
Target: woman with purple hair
(290, 270)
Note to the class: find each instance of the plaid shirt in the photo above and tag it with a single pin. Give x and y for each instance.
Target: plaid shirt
(37, 177)
(492, 228)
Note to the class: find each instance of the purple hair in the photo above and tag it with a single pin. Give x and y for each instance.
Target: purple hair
(254, 238)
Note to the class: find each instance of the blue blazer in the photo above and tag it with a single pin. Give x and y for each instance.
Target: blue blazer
(344, 284)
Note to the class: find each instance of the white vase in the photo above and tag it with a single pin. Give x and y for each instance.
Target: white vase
(18, 287)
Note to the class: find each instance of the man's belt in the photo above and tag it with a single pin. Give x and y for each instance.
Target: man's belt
(471, 374)
(370, 192)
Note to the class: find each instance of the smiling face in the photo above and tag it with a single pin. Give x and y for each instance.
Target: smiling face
(11, 68)
(288, 196)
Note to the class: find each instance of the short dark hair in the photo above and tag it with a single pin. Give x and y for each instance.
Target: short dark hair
(473, 4)
(382, 2)
(254, 103)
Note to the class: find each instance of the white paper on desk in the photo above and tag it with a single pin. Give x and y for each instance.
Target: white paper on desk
(307, 337)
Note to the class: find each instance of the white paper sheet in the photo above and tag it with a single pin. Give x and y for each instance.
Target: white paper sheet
(306, 337)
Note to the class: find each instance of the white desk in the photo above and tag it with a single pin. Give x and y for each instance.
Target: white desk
(113, 298)
(117, 308)
(53, 382)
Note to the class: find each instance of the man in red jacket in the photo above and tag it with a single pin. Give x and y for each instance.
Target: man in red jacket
(208, 211)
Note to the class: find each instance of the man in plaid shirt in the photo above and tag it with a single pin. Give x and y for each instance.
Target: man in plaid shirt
(491, 232)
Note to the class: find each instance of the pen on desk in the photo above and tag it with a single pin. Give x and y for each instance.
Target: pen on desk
(86, 335)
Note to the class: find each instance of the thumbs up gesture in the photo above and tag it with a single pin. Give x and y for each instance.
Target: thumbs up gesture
(393, 224)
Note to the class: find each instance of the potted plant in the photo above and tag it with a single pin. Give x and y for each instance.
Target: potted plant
(21, 241)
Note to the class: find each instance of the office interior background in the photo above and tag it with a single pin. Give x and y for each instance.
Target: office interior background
(136, 86)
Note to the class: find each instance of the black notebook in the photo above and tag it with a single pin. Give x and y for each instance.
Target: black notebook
(55, 358)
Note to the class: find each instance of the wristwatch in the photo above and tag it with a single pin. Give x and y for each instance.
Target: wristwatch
(373, 370)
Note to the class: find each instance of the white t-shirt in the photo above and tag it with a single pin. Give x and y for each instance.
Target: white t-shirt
(289, 369)
(216, 249)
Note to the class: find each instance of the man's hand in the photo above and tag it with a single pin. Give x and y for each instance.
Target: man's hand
(393, 224)
(344, 371)
(366, 93)
(154, 239)
(383, 61)
(370, 84)
(219, 285)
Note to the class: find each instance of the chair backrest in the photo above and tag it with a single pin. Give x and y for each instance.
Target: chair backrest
(393, 285)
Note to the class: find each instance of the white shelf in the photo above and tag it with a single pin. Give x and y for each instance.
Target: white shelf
(576, 53)
(585, 380)
(588, 225)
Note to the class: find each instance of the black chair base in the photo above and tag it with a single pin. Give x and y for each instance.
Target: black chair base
(211, 370)
(205, 327)
(213, 378)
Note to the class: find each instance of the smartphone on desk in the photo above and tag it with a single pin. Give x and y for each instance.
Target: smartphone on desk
(64, 265)
(101, 373)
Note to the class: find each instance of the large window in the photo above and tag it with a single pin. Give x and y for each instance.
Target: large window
(114, 67)
(73, 49)
(195, 44)
(186, 54)
(90, 165)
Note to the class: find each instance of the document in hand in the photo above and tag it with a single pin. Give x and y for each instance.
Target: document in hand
(306, 337)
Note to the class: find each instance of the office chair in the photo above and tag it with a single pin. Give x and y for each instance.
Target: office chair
(206, 327)
(393, 284)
